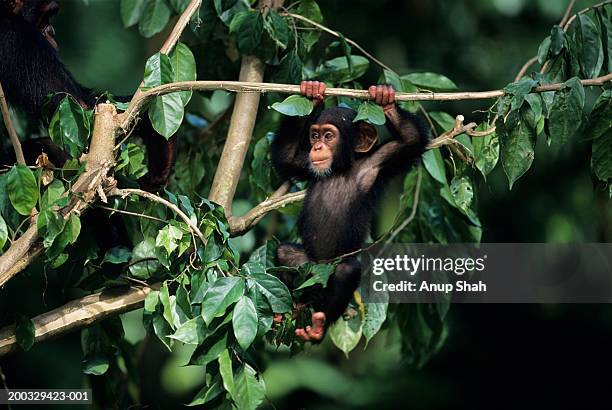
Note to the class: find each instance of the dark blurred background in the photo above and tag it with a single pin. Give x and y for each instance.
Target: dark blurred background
(496, 356)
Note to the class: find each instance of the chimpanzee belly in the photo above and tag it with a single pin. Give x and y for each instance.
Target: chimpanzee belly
(335, 218)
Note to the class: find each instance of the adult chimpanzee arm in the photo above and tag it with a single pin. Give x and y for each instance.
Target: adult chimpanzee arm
(29, 67)
(410, 138)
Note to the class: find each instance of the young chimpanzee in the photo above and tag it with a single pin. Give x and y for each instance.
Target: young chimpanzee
(30, 70)
(346, 178)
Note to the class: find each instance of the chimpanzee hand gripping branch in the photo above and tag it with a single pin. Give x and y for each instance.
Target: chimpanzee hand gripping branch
(347, 176)
(30, 71)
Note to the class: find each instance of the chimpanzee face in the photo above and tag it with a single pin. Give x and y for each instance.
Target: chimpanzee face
(324, 142)
(38, 13)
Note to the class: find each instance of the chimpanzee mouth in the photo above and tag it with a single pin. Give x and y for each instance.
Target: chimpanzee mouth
(46, 28)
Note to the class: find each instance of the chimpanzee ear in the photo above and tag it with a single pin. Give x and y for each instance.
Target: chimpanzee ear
(366, 137)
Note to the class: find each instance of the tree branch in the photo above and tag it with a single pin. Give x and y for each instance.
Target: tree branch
(99, 161)
(77, 314)
(10, 127)
(241, 128)
(241, 225)
(173, 38)
(245, 87)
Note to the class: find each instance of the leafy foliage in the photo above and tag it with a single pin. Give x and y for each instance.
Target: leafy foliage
(221, 296)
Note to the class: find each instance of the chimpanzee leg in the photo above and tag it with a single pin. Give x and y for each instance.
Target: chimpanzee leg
(338, 294)
(340, 288)
(291, 254)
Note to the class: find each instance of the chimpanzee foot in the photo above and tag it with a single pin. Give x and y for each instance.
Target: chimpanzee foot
(315, 332)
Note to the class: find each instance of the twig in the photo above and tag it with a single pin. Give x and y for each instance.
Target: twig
(136, 214)
(155, 198)
(77, 314)
(338, 35)
(10, 127)
(525, 67)
(447, 137)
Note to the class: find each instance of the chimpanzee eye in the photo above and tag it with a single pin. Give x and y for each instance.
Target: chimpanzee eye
(328, 136)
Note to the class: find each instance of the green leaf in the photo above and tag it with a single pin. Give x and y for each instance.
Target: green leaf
(517, 152)
(486, 151)
(131, 11)
(434, 164)
(249, 390)
(169, 238)
(191, 332)
(462, 192)
(337, 70)
(294, 105)
(184, 68)
(210, 350)
(151, 301)
(166, 114)
(600, 119)
(96, 365)
(431, 81)
(346, 334)
(24, 332)
(605, 22)
(158, 70)
(164, 298)
(590, 50)
(249, 28)
(69, 127)
(557, 36)
(320, 275)
(543, 50)
(3, 232)
(244, 322)
(566, 112)
(22, 189)
(208, 393)
(601, 160)
(278, 29)
(310, 9)
(144, 261)
(155, 16)
(376, 314)
(519, 90)
(370, 112)
(274, 290)
(227, 374)
(220, 295)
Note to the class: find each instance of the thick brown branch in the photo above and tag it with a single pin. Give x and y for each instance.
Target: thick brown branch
(77, 314)
(10, 127)
(99, 161)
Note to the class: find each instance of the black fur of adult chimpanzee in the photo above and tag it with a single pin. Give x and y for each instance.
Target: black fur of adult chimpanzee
(30, 70)
(346, 179)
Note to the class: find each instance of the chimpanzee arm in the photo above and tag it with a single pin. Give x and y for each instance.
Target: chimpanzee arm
(288, 151)
(30, 68)
(411, 136)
